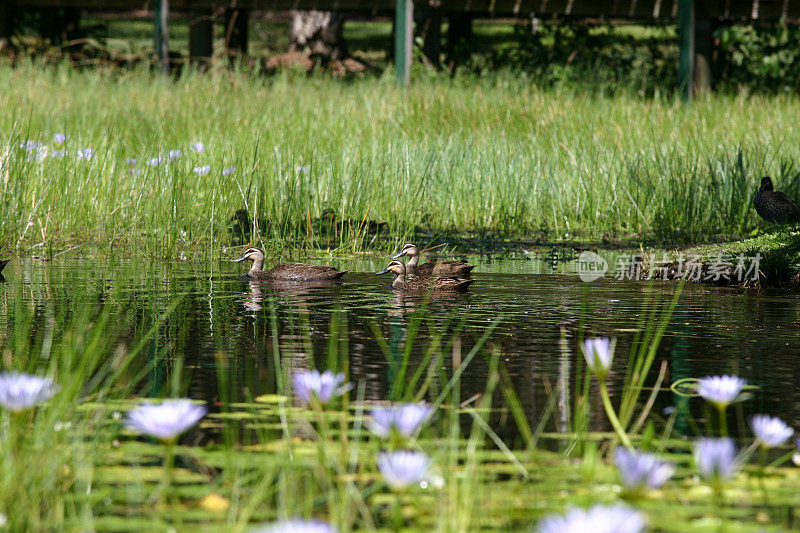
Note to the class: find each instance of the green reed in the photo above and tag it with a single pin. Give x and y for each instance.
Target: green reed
(496, 156)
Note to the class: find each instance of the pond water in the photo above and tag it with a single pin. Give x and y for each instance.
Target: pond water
(541, 309)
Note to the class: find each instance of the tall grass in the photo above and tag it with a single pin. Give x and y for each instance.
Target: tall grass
(448, 156)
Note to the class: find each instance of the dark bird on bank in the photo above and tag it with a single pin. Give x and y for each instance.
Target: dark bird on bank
(401, 282)
(774, 206)
(459, 269)
(286, 271)
(241, 225)
(330, 223)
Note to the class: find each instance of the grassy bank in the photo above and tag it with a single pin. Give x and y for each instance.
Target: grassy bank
(493, 156)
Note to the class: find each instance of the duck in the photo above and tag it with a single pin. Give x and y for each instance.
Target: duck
(774, 206)
(441, 283)
(286, 271)
(3, 264)
(241, 226)
(459, 269)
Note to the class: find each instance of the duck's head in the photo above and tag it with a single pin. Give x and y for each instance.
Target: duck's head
(395, 267)
(766, 184)
(408, 249)
(251, 254)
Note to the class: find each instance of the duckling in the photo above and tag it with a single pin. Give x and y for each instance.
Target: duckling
(286, 271)
(398, 268)
(774, 206)
(459, 269)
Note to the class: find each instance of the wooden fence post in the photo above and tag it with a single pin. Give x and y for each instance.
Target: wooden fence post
(403, 39)
(236, 31)
(161, 33)
(686, 52)
(201, 39)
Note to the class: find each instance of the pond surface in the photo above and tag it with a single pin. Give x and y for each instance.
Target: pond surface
(540, 310)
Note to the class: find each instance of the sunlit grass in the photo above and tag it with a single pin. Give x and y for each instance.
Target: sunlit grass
(493, 156)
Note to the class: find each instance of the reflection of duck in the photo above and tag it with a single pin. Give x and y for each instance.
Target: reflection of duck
(254, 302)
(459, 269)
(774, 206)
(422, 283)
(287, 271)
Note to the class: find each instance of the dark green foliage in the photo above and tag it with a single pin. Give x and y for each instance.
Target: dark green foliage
(762, 58)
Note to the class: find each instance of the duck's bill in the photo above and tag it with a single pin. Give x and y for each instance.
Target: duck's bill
(398, 256)
(239, 260)
(384, 271)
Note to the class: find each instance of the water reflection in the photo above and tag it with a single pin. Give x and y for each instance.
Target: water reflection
(228, 330)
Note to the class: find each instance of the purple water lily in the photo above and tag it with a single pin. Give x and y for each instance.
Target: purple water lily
(715, 458)
(167, 420)
(598, 352)
(597, 519)
(404, 419)
(770, 431)
(296, 525)
(403, 468)
(310, 385)
(720, 390)
(639, 469)
(20, 391)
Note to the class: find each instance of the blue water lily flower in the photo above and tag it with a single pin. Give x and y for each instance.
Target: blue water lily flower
(59, 139)
(174, 155)
(228, 171)
(202, 171)
(167, 420)
(598, 352)
(30, 146)
(770, 431)
(296, 525)
(720, 390)
(58, 154)
(597, 519)
(311, 385)
(404, 419)
(155, 161)
(199, 147)
(20, 392)
(715, 458)
(86, 153)
(403, 468)
(639, 469)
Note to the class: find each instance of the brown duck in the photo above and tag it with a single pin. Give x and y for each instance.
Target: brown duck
(287, 271)
(459, 269)
(441, 283)
(774, 206)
